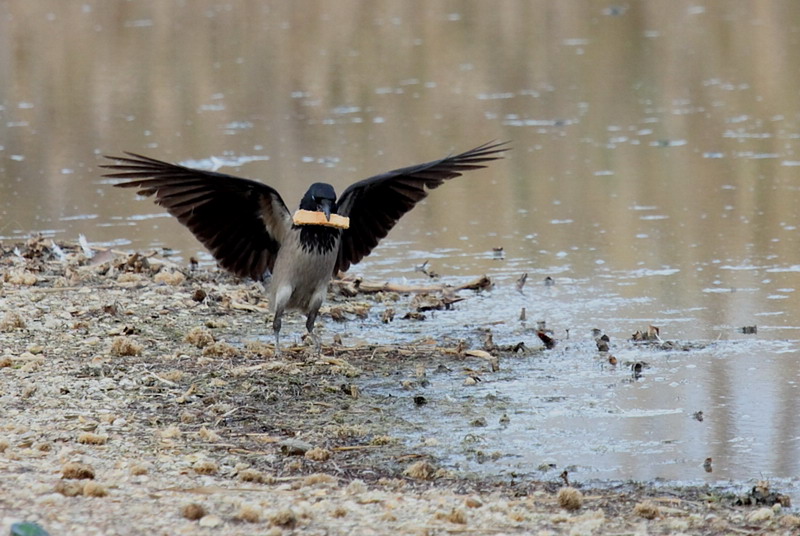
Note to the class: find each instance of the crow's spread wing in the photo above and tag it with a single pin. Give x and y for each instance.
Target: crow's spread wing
(375, 204)
(241, 222)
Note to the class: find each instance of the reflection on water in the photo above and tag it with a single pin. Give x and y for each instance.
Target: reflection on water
(570, 409)
(654, 170)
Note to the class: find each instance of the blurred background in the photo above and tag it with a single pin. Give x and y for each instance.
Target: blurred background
(653, 173)
(653, 139)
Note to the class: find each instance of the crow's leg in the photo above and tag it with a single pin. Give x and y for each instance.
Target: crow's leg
(312, 316)
(276, 328)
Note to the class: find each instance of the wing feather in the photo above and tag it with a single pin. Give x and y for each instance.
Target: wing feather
(241, 222)
(374, 205)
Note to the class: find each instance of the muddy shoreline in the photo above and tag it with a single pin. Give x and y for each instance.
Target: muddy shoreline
(142, 396)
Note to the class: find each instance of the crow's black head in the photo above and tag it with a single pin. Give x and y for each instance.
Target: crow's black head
(320, 197)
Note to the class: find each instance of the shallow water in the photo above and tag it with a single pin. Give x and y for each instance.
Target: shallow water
(653, 176)
(570, 408)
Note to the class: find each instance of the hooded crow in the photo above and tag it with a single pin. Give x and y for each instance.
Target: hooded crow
(249, 230)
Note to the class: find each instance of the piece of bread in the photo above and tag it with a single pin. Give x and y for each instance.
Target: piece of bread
(310, 217)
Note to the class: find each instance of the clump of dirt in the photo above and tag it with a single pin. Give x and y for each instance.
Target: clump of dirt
(135, 403)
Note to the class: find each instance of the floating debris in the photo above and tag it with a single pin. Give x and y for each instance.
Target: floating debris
(387, 315)
(548, 341)
(429, 302)
(483, 354)
(707, 467)
(651, 334)
(494, 361)
(602, 343)
(762, 495)
(488, 342)
(351, 285)
(749, 330)
(514, 348)
(87, 250)
(521, 281)
(423, 268)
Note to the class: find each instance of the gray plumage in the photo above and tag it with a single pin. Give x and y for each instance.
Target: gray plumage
(249, 230)
(300, 279)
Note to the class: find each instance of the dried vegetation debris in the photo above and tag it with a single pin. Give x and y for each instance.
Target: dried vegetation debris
(137, 402)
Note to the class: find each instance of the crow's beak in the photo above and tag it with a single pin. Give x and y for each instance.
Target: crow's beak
(325, 205)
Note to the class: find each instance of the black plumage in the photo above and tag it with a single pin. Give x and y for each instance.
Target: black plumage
(247, 227)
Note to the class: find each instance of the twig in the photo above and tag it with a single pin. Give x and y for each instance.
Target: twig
(162, 380)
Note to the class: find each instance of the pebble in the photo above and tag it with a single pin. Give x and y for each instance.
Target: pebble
(760, 515)
(210, 521)
(294, 447)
